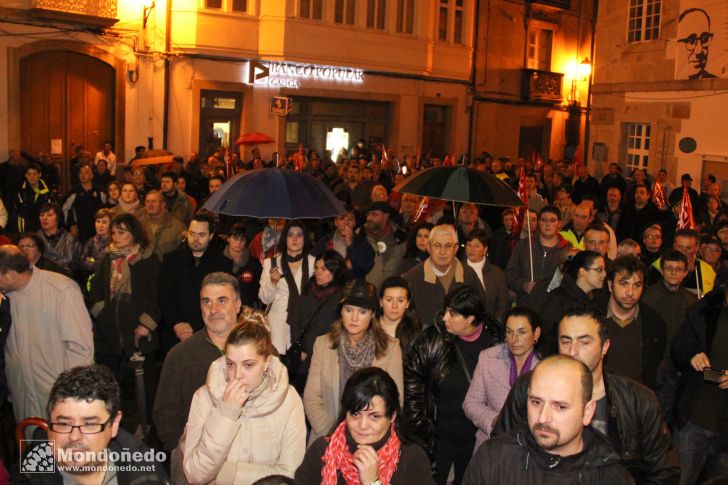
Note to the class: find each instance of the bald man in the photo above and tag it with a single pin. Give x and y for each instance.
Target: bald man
(560, 409)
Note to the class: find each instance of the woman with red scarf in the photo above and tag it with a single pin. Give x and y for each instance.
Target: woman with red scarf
(366, 448)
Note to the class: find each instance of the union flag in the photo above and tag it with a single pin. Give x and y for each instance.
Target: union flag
(686, 219)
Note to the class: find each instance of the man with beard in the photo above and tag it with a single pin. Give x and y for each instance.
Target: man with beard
(626, 411)
(386, 239)
(87, 443)
(636, 331)
(186, 365)
(558, 440)
(182, 273)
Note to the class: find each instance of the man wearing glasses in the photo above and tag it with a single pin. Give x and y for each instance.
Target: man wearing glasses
(672, 302)
(695, 22)
(88, 444)
(439, 274)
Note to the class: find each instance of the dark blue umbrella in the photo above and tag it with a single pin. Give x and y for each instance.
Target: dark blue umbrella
(275, 193)
(460, 184)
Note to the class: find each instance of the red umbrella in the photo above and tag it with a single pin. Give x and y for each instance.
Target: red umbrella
(254, 139)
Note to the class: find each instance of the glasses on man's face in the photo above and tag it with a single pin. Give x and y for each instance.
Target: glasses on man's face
(673, 269)
(711, 249)
(90, 428)
(691, 41)
(440, 247)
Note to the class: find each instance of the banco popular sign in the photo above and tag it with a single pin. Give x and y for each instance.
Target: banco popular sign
(289, 74)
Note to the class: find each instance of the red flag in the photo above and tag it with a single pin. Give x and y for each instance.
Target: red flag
(519, 213)
(686, 220)
(537, 161)
(658, 196)
(300, 159)
(385, 156)
(428, 206)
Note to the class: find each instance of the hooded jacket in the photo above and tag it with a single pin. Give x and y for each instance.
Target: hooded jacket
(224, 444)
(515, 458)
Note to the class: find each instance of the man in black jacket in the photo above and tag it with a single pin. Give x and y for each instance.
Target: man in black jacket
(637, 333)
(702, 403)
(626, 412)
(182, 273)
(557, 444)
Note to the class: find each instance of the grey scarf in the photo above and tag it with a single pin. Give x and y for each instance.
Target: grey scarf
(354, 357)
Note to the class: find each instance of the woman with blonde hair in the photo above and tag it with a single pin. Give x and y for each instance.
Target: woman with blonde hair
(246, 422)
(355, 341)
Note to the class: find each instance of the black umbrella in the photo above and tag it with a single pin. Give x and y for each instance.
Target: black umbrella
(460, 184)
(275, 193)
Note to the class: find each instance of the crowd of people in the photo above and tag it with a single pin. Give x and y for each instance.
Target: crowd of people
(403, 341)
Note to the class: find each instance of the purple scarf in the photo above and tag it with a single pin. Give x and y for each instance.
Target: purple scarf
(526, 366)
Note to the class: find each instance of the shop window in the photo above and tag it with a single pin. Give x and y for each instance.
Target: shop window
(311, 9)
(636, 142)
(644, 20)
(213, 4)
(405, 16)
(344, 11)
(376, 14)
(450, 21)
(538, 48)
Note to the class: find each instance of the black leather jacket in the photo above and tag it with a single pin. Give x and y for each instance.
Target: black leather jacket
(635, 427)
(426, 364)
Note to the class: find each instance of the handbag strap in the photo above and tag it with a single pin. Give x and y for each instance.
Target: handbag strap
(310, 320)
(461, 359)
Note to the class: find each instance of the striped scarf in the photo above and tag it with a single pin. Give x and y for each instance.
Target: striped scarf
(338, 458)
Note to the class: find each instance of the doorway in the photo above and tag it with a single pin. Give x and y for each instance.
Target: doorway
(66, 99)
(436, 130)
(219, 120)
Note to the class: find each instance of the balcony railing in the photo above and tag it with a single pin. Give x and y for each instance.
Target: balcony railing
(100, 13)
(541, 85)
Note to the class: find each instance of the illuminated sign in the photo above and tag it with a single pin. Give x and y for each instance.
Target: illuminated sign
(290, 74)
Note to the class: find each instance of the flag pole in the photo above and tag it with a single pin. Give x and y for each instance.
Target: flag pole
(530, 246)
(697, 279)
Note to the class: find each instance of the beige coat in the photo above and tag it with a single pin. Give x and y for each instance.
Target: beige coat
(223, 444)
(322, 396)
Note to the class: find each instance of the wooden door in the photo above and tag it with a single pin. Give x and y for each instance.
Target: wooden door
(69, 97)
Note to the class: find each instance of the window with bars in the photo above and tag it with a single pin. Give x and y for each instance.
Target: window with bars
(644, 20)
(376, 10)
(311, 9)
(344, 12)
(406, 16)
(450, 21)
(637, 145)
